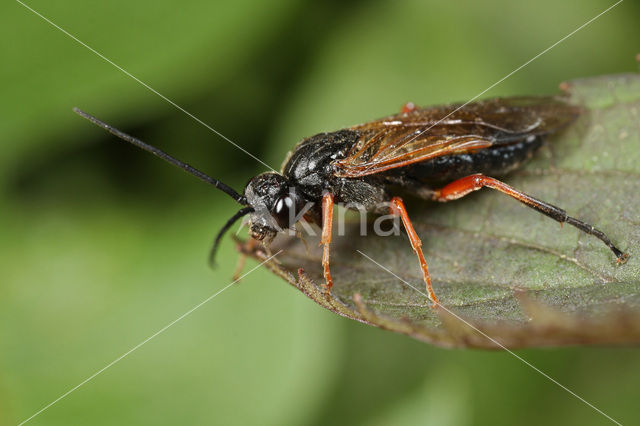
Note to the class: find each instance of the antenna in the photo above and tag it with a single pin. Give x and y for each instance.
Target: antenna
(161, 154)
(242, 212)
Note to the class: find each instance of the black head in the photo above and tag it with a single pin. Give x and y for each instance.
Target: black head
(267, 192)
(274, 203)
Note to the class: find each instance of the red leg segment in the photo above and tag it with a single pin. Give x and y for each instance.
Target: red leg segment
(398, 209)
(464, 186)
(327, 222)
(461, 187)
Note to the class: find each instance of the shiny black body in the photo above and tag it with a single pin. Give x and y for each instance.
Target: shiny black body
(497, 160)
(310, 170)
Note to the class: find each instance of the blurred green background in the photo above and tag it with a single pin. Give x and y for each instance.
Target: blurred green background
(102, 245)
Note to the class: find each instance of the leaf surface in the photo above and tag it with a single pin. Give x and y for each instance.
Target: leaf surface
(506, 275)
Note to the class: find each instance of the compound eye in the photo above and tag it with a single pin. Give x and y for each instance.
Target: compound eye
(283, 211)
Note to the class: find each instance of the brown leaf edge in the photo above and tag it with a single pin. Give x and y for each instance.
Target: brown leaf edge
(546, 327)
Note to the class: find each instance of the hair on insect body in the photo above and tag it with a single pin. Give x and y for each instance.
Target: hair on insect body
(416, 151)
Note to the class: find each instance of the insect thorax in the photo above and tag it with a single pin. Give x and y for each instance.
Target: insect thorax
(310, 169)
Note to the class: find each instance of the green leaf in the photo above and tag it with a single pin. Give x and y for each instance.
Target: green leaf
(507, 275)
(48, 72)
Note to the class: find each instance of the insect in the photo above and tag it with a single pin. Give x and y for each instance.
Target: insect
(438, 153)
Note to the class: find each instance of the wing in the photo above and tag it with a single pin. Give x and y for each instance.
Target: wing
(422, 134)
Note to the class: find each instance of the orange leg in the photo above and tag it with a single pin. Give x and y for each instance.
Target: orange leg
(398, 209)
(250, 245)
(468, 184)
(242, 259)
(327, 222)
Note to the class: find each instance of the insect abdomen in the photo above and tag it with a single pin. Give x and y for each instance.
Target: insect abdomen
(494, 161)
